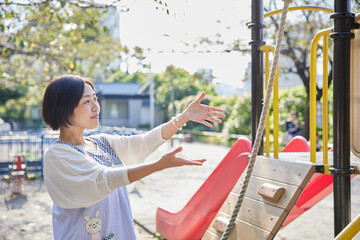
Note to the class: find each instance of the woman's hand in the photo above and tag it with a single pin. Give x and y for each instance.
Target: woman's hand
(201, 113)
(196, 112)
(170, 160)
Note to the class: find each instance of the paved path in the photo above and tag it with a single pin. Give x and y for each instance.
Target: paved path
(172, 189)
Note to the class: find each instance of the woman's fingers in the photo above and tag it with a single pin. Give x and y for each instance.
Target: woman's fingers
(215, 114)
(198, 162)
(211, 119)
(215, 109)
(177, 150)
(201, 97)
(206, 124)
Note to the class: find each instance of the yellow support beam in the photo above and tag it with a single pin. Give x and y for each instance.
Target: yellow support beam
(308, 8)
(276, 114)
(350, 231)
(303, 8)
(325, 105)
(322, 34)
(267, 49)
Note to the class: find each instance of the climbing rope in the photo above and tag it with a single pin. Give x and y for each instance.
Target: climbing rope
(260, 130)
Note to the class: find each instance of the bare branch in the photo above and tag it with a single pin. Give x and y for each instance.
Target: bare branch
(84, 4)
(15, 50)
(23, 3)
(80, 3)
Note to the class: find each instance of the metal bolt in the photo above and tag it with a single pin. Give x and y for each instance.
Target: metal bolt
(271, 218)
(299, 174)
(274, 169)
(248, 209)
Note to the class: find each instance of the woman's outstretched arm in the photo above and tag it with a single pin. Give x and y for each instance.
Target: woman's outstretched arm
(169, 160)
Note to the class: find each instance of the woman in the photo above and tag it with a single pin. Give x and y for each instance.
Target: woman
(86, 177)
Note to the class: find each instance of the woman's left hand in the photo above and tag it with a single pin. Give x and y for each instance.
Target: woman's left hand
(203, 114)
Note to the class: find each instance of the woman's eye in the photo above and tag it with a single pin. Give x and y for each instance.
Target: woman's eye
(87, 101)
(96, 99)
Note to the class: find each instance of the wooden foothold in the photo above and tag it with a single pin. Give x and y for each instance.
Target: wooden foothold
(220, 224)
(271, 192)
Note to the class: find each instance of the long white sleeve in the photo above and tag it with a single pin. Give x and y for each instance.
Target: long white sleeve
(75, 180)
(132, 150)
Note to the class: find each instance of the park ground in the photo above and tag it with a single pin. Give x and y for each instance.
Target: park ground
(28, 216)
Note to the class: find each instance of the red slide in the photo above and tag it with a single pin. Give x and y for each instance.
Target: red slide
(191, 222)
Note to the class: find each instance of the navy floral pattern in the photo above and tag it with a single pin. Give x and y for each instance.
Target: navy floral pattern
(100, 158)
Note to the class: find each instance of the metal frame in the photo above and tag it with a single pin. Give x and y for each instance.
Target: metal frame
(343, 22)
(256, 26)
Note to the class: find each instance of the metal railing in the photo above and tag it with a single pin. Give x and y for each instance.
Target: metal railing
(324, 34)
(267, 49)
(350, 231)
(32, 145)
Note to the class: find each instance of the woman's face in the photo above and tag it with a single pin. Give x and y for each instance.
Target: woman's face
(86, 113)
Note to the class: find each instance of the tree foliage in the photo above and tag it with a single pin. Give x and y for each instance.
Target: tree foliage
(43, 39)
(185, 86)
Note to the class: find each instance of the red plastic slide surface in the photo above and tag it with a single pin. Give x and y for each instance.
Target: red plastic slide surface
(192, 221)
(297, 144)
(319, 186)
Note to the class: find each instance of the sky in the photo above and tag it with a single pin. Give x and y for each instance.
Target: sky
(188, 20)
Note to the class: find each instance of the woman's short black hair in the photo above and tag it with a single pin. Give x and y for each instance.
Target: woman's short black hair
(61, 97)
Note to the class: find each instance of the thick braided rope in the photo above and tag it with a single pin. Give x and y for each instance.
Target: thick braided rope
(260, 130)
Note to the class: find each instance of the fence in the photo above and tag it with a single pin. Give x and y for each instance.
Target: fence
(32, 146)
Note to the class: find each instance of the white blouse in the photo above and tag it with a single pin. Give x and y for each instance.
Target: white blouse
(75, 180)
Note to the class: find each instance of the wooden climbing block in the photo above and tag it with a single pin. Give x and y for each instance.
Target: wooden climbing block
(286, 171)
(285, 201)
(271, 192)
(242, 230)
(258, 213)
(273, 189)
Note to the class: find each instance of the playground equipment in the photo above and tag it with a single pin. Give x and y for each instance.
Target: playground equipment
(18, 171)
(265, 209)
(193, 220)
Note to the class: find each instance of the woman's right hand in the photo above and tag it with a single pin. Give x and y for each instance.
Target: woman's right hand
(170, 160)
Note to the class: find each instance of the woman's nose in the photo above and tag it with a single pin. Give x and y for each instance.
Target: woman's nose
(96, 106)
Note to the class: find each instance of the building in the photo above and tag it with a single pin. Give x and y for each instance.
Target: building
(121, 105)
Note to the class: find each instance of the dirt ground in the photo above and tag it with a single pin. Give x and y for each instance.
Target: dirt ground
(27, 216)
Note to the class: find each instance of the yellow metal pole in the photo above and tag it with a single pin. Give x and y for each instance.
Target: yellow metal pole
(266, 49)
(309, 8)
(276, 114)
(350, 231)
(325, 103)
(312, 117)
(313, 50)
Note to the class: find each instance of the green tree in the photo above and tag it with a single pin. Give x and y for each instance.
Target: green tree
(183, 83)
(302, 26)
(136, 77)
(40, 40)
(239, 121)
